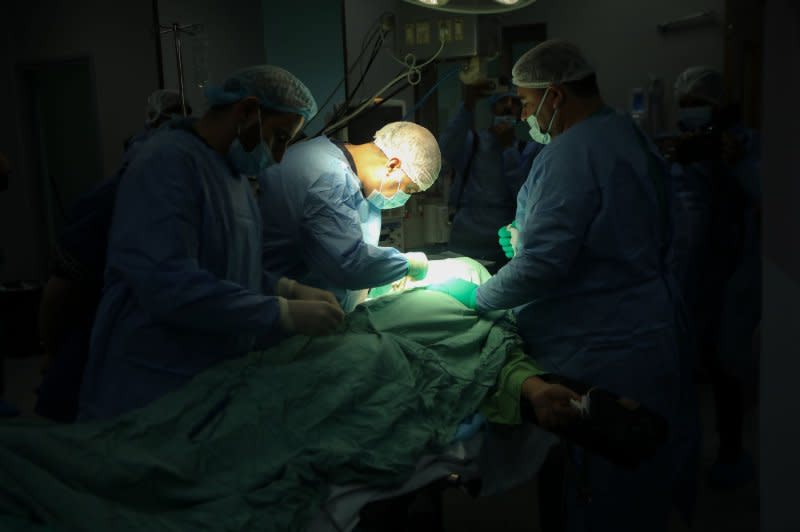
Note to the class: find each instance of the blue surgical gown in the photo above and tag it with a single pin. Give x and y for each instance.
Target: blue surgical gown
(484, 199)
(593, 295)
(184, 285)
(318, 227)
(81, 258)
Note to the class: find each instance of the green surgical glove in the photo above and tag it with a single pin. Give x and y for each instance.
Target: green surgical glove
(508, 238)
(459, 289)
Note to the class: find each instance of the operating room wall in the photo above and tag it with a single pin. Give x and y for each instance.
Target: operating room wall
(619, 36)
(117, 38)
(229, 36)
(360, 18)
(621, 39)
(315, 53)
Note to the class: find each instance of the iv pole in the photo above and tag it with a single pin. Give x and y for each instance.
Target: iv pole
(176, 30)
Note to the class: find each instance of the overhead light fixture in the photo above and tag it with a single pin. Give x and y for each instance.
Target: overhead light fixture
(473, 7)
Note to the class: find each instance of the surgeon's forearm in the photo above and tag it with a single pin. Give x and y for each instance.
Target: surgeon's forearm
(368, 266)
(196, 299)
(514, 285)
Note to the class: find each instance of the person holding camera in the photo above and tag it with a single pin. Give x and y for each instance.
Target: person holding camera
(490, 165)
(717, 250)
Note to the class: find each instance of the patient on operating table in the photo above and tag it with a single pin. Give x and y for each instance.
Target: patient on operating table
(255, 443)
(616, 427)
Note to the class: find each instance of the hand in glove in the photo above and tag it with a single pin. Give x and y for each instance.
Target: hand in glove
(313, 318)
(293, 290)
(459, 289)
(417, 265)
(508, 238)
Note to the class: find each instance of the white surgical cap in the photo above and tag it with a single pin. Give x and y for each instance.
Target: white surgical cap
(161, 101)
(275, 88)
(700, 82)
(417, 149)
(551, 62)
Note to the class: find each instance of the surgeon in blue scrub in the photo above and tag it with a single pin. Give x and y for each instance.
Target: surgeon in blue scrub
(184, 282)
(589, 281)
(322, 209)
(490, 165)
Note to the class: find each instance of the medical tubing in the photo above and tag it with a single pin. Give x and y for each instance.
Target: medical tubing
(427, 95)
(352, 67)
(414, 76)
(349, 97)
(377, 104)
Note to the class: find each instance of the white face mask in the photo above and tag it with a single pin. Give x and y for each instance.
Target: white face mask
(542, 137)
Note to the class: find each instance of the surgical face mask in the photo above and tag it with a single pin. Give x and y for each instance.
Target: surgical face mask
(536, 133)
(251, 162)
(694, 118)
(510, 120)
(398, 199)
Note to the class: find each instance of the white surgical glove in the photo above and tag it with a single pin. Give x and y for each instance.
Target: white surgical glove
(313, 318)
(514, 237)
(291, 289)
(417, 265)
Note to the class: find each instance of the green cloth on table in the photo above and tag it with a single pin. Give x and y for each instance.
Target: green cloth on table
(253, 443)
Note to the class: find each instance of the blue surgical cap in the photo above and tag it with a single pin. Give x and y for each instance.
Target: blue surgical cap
(275, 88)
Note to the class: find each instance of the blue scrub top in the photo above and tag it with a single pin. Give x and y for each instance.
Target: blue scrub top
(183, 283)
(318, 227)
(590, 282)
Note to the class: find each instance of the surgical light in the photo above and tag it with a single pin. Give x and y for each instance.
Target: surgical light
(473, 7)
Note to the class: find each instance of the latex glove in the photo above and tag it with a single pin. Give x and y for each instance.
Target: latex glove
(417, 265)
(552, 403)
(293, 290)
(459, 289)
(313, 318)
(507, 237)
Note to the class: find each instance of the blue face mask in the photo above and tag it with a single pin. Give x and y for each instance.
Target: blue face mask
(251, 162)
(382, 202)
(542, 137)
(694, 118)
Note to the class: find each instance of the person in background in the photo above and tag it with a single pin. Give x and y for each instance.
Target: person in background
(490, 167)
(589, 280)
(163, 105)
(716, 171)
(322, 209)
(72, 293)
(184, 283)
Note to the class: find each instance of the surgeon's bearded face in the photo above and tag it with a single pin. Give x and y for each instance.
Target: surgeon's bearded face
(546, 101)
(279, 129)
